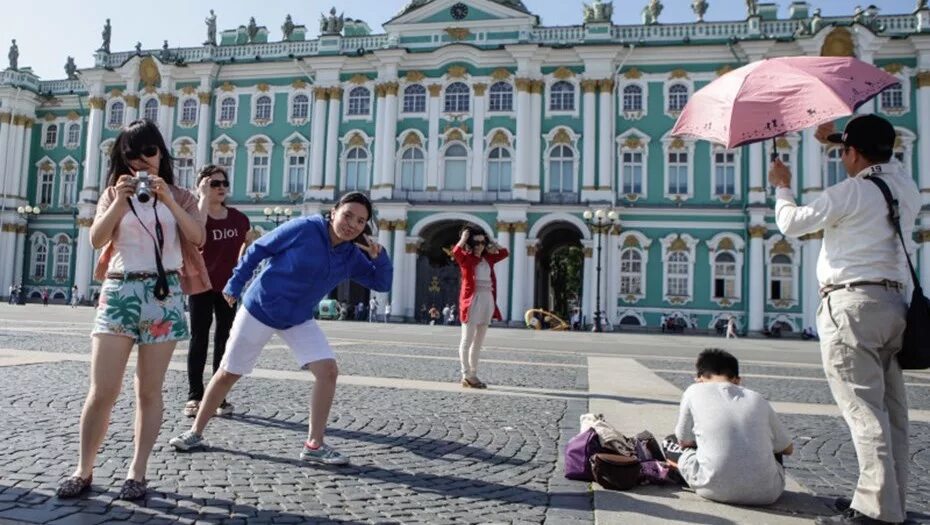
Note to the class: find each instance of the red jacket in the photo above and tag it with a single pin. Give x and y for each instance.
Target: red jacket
(467, 263)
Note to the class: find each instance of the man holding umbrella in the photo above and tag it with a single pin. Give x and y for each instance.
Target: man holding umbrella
(862, 274)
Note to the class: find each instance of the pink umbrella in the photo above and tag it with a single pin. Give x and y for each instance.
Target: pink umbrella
(771, 97)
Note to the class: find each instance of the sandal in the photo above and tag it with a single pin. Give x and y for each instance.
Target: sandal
(191, 408)
(133, 490)
(473, 383)
(73, 486)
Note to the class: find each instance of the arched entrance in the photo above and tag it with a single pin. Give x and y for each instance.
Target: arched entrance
(437, 274)
(559, 269)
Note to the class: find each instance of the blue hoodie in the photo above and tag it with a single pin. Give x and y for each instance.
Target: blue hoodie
(303, 266)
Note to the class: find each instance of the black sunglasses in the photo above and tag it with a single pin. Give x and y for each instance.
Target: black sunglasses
(147, 151)
(218, 183)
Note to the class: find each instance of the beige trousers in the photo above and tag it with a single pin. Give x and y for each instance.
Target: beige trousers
(861, 330)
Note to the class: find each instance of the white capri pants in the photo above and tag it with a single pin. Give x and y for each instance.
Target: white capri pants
(248, 336)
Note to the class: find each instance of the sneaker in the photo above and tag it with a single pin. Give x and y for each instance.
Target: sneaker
(191, 408)
(187, 441)
(324, 454)
(224, 409)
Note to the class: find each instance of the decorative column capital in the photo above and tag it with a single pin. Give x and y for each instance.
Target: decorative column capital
(538, 87)
(479, 89)
(132, 101)
(379, 90)
(385, 225)
(167, 99)
(504, 227)
(531, 251)
(922, 236)
(20, 120)
(85, 222)
(523, 84)
(434, 89)
(97, 102)
(205, 97)
(923, 79)
(588, 252)
(5, 118)
(400, 225)
(606, 85)
(335, 93)
(519, 227)
(588, 85)
(321, 93)
(29, 123)
(390, 88)
(758, 231)
(412, 247)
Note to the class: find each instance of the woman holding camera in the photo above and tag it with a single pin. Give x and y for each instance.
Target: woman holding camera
(306, 258)
(148, 231)
(476, 256)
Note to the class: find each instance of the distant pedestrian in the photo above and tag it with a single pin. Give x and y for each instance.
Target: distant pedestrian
(74, 296)
(445, 314)
(731, 328)
(387, 312)
(373, 309)
(360, 311)
(45, 297)
(433, 315)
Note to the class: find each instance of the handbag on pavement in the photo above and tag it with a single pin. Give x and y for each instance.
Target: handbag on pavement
(915, 350)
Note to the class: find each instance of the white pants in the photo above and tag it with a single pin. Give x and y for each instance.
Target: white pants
(248, 336)
(470, 347)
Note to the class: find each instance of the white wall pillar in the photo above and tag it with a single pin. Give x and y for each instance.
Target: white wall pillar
(15, 155)
(529, 297)
(22, 186)
(612, 286)
(398, 286)
(588, 136)
(318, 137)
(523, 137)
(167, 102)
(384, 239)
(332, 139)
(923, 255)
(534, 181)
(20, 255)
(410, 283)
(84, 255)
(204, 127)
(605, 154)
(810, 298)
(810, 182)
(756, 274)
(381, 138)
(132, 104)
(587, 282)
(432, 139)
(477, 138)
(756, 182)
(92, 148)
(517, 303)
(6, 128)
(502, 271)
(923, 134)
(389, 139)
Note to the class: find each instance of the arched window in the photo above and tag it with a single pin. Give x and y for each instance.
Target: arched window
(412, 169)
(116, 115)
(499, 169)
(500, 97)
(631, 272)
(62, 260)
(356, 169)
(263, 108)
(835, 170)
(150, 110)
(677, 97)
(678, 275)
(892, 98)
(51, 135)
(630, 320)
(74, 135)
(725, 276)
(782, 282)
(456, 98)
(39, 258)
(562, 170)
(359, 101)
(228, 110)
(456, 160)
(300, 107)
(296, 174)
(414, 99)
(562, 96)
(632, 98)
(189, 111)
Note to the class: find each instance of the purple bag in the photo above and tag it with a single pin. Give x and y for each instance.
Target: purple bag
(578, 454)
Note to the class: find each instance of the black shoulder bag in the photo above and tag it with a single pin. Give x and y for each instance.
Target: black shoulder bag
(161, 289)
(915, 351)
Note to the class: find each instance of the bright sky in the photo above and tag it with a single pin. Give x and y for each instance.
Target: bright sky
(50, 30)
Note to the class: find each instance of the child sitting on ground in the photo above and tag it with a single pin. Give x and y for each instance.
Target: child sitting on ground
(731, 436)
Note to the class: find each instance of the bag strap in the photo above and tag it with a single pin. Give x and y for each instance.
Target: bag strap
(161, 289)
(894, 216)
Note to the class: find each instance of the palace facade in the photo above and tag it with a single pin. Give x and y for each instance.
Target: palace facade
(470, 110)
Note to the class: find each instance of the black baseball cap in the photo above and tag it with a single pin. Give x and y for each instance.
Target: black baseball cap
(870, 134)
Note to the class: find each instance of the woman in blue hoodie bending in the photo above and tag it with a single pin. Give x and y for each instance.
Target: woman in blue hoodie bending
(307, 257)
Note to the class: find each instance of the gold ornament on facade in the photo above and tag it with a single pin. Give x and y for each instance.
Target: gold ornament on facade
(259, 145)
(356, 140)
(782, 247)
(390, 88)
(758, 231)
(606, 85)
(46, 166)
(299, 83)
(5, 118)
(633, 73)
(588, 85)
(85, 222)
(400, 225)
(631, 242)
(379, 90)
(116, 92)
(188, 90)
(414, 76)
(479, 89)
(320, 93)
(922, 236)
(9, 227)
(677, 144)
(923, 79)
(148, 72)
(20, 120)
(561, 137)
(563, 73)
(263, 87)
(893, 69)
(724, 70)
(69, 166)
(678, 73)
(434, 89)
(812, 236)
(500, 74)
(588, 252)
(227, 87)
(456, 72)
(335, 92)
(167, 99)
(132, 101)
(205, 97)
(537, 87)
(524, 84)
(500, 138)
(224, 147)
(839, 43)
(29, 122)
(458, 33)
(48, 117)
(520, 227)
(385, 225)
(149, 90)
(783, 144)
(726, 244)
(184, 149)
(503, 226)
(632, 142)
(97, 102)
(454, 134)
(296, 146)
(358, 79)
(726, 198)
(411, 247)
(412, 139)
(678, 245)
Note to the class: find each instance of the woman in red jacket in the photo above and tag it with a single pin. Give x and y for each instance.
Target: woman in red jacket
(476, 255)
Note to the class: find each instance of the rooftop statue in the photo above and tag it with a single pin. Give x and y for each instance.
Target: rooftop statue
(14, 56)
(598, 11)
(211, 29)
(333, 24)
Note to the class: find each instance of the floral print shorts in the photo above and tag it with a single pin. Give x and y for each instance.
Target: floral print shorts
(129, 308)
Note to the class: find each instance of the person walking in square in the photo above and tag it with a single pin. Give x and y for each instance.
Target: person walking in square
(149, 256)
(731, 328)
(227, 233)
(476, 256)
(862, 273)
(281, 301)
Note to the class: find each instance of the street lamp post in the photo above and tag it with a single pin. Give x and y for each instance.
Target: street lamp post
(28, 212)
(278, 215)
(600, 221)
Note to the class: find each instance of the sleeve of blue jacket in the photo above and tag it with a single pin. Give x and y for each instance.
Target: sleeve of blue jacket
(278, 240)
(374, 274)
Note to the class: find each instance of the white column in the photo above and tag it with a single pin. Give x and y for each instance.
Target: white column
(517, 304)
(332, 138)
(589, 116)
(756, 275)
(587, 283)
(923, 134)
(92, 147)
(166, 102)
(810, 298)
(22, 185)
(390, 139)
(432, 139)
(477, 139)
(529, 298)
(15, 156)
(380, 138)
(810, 185)
(19, 255)
(6, 127)
(410, 284)
(204, 127)
(317, 137)
(612, 286)
(502, 272)
(84, 261)
(923, 254)
(7, 245)
(756, 184)
(535, 176)
(384, 239)
(132, 105)
(605, 152)
(398, 288)
(523, 138)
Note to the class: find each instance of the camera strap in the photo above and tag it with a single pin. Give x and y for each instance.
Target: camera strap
(161, 289)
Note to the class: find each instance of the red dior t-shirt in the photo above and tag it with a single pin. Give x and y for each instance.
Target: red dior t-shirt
(221, 249)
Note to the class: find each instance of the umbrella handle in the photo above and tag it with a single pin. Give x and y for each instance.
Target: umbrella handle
(774, 156)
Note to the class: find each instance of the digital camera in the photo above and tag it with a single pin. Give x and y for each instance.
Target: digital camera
(143, 189)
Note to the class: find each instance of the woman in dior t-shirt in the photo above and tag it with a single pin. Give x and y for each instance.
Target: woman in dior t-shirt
(227, 231)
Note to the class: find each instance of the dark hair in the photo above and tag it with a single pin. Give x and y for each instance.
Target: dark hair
(874, 156)
(210, 170)
(714, 361)
(358, 198)
(473, 230)
(132, 138)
